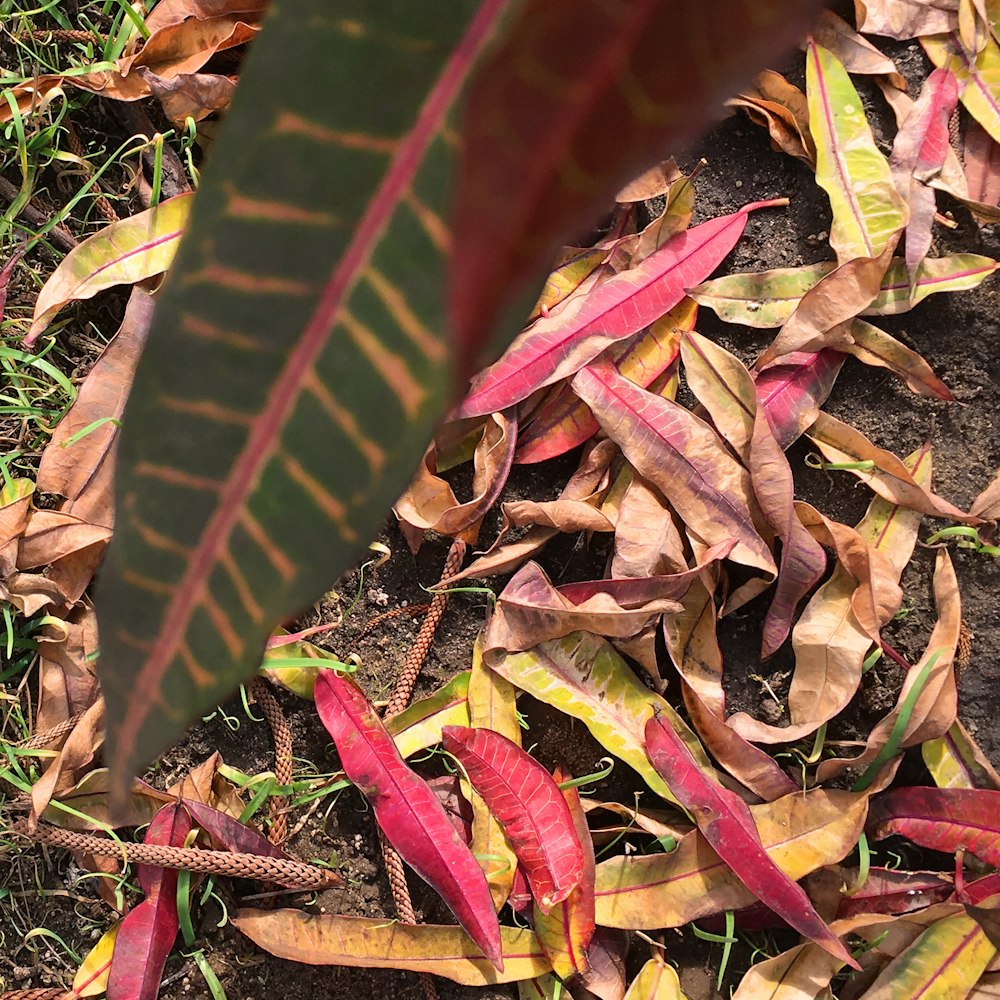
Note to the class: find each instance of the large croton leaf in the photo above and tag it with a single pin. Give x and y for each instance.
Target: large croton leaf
(301, 355)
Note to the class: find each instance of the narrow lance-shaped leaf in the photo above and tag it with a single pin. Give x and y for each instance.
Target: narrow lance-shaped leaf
(377, 943)
(727, 824)
(956, 761)
(91, 979)
(801, 832)
(566, 931)
(528, 805)
(683, 457)
(123, 253)
(867, 209)
(408, 812)
(147, 932)
(792, 392)
(978, 75)
(557, 346)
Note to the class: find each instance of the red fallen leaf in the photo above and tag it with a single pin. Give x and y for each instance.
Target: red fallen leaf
(943, 819)
(407, 810)
(555, 347)
(148, 931)
(230, 834)
(889, 891)
(566, 932)
(982, 888)
(528, 804)
(727, 824)
(792, 392)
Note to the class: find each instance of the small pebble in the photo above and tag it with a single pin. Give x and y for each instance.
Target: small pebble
(739, 184)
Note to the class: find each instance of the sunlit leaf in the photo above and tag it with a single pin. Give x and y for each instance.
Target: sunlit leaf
(91, 979)
(955, 761)
(978, 76)
(125, 252)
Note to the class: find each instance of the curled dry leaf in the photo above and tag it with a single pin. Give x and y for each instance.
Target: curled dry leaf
(527, 803)
(78, 461)
(407, 811)
(726, 822)
(781, 107)
(886, 890)
(855, 53)
(530, 610)
(981, 157)
(888, 476)
(987, 504)
(376, 943)
(123, 253)
(429, 502)
(189, 95)
(904, 20)
(800, 832)
(647, 542)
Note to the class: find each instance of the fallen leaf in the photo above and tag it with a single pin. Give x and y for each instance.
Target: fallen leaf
(792, 393)
(556, 347)
(856, 54)
(656, 981)
(867, 210)
(981, 157)
(125, 252)
(889, 477)
(78, 462)
(564, 420)
(582, 676)
(978, 75)
(955, 761)
(377, 943)
(942, 819)
(886, 890)
(904, 19)
(605, 978)
(647, 542)
(918, 154)
(189, 95)
(683, 457)
(91, 979)
(726, 822)
(407, 811)
(146, 935)
(801, 833)
(419, 726)
(530, 610)
(987, 504)
(876, 347)
(566, 931)
(782, 108)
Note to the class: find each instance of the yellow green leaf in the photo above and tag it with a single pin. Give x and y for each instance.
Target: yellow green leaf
(656, 981)
(978, 76)
(955, 761)
(868, 211)
(91, 979)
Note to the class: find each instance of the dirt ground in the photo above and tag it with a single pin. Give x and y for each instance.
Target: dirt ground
(957, 334)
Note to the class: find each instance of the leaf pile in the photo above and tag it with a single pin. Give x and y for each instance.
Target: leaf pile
(681, 465)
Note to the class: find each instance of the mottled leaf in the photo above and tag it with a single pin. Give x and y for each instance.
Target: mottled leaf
(409, 814)
(91, 979)
(792, 392)
(123, 253)
(377, 943)
(584, 677)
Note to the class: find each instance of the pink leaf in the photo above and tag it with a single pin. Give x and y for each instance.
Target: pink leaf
(528, 804)
(792, 392)
(407, 810)
(557, 346)
(726, 823)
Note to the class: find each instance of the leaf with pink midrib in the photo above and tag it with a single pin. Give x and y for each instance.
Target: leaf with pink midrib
(942, 819)
(557, 346)
(407, 810)
(725, 821)
(529, 806)
(792, 392)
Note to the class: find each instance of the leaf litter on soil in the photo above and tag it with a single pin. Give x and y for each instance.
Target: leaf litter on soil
(685, 470)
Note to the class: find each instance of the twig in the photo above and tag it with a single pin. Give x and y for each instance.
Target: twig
(60, 235)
